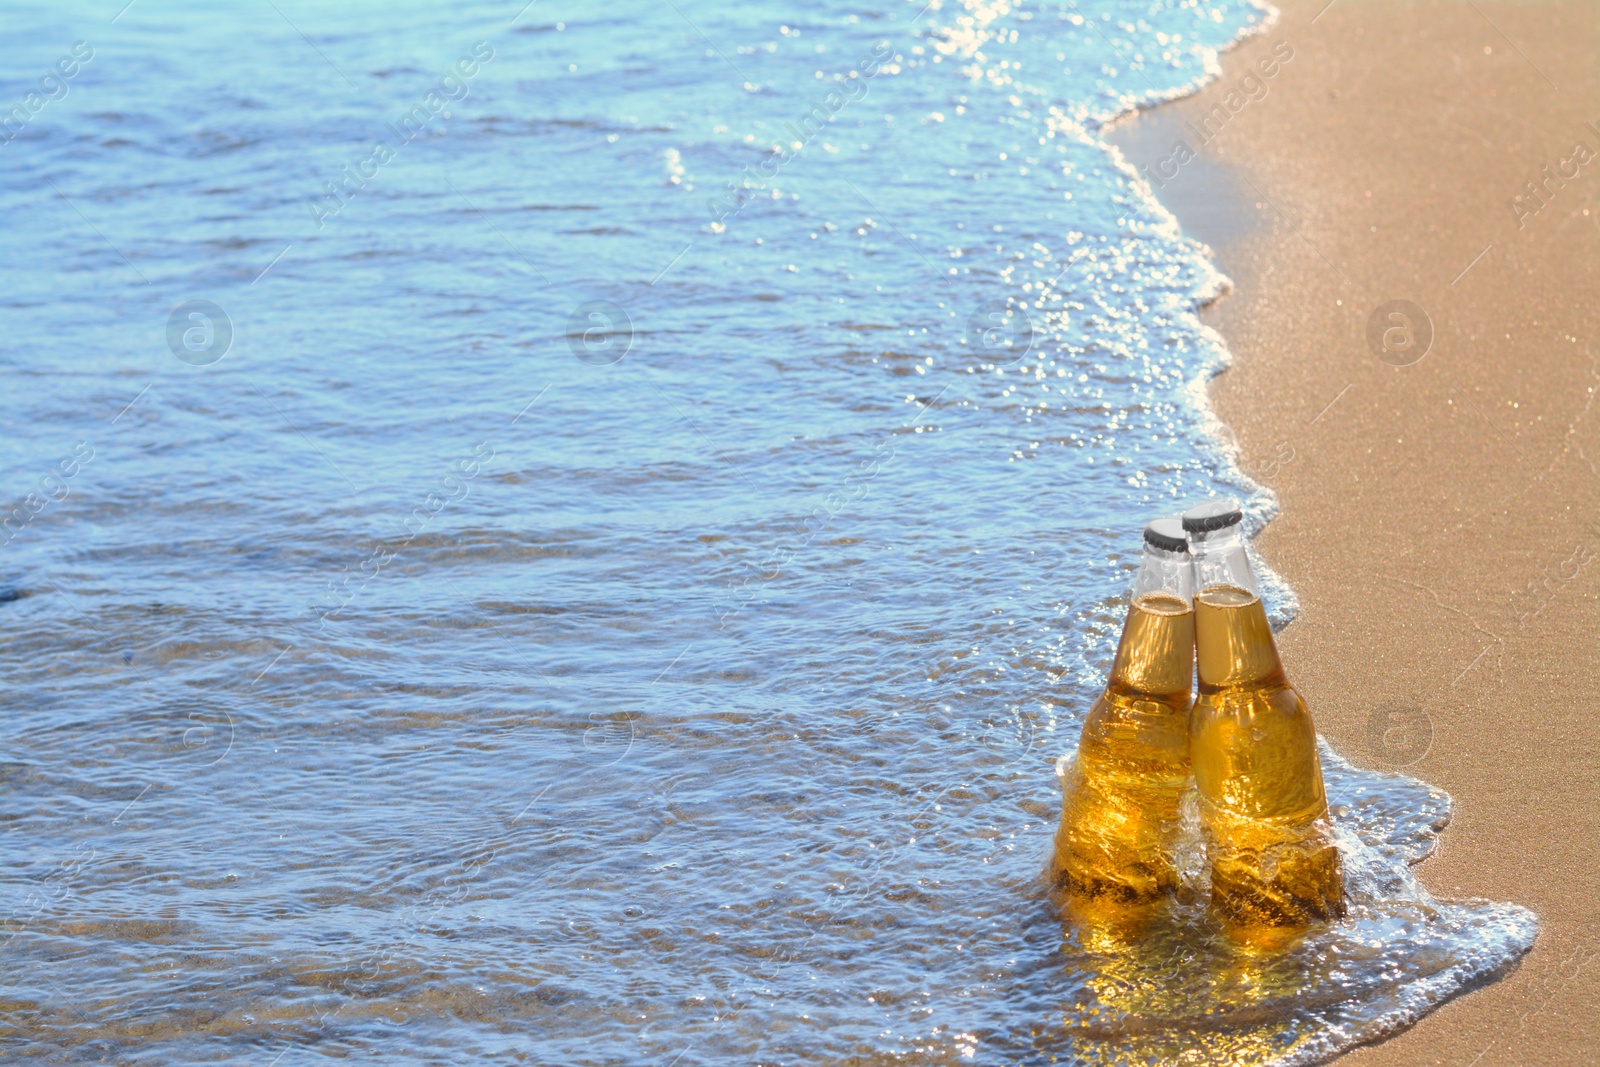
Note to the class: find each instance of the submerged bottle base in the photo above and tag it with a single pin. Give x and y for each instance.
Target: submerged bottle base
(1114, 848)
(1265, 874)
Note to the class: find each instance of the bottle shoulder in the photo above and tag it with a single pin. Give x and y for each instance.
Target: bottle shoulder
(1120, 693)
(1274, 687)
(1275, 711)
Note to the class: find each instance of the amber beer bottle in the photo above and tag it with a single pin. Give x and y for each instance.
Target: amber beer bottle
(1119, 812)
(1263, 807)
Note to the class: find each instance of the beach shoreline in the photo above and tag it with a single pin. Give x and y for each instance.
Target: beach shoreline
(1436, 472)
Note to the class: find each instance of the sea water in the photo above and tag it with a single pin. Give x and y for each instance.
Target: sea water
(577, 533)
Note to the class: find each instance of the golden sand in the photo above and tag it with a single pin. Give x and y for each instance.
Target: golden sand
(1439, 477)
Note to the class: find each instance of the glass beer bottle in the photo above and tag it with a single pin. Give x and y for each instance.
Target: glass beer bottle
(1120, 793)
(1263, 807)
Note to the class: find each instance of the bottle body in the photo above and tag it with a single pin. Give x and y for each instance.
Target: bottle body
(1254, 751)
(1120, 802)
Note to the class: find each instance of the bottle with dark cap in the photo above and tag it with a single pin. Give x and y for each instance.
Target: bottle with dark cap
(1121, 792)
(1263, 807)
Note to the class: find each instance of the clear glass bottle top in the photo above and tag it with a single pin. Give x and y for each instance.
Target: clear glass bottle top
(1165, 567)
(1216, 545)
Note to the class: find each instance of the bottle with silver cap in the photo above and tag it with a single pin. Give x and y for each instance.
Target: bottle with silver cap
(1121, 791)
(1253, 747)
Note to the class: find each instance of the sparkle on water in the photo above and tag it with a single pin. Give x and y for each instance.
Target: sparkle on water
(611, 575)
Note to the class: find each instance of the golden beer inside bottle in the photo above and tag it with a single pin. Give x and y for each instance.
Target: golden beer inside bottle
(1254, 752)
(1119, 815)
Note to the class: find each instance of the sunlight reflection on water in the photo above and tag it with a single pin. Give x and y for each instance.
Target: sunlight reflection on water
(420, 676)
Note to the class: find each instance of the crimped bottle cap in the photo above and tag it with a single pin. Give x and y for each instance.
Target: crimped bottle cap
(1166, 534)
(1217, 514)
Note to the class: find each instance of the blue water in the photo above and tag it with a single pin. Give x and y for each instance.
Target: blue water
(579, 534)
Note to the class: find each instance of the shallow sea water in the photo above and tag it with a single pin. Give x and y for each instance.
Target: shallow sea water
(417, 680)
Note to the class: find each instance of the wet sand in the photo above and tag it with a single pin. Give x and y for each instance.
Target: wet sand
(1440, 498)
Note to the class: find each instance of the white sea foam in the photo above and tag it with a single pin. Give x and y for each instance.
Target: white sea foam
(1406, 951)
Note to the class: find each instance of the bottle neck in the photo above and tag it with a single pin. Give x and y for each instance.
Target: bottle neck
(1220, 559)
(1166, 573)
(1156, 655)
(1233, 641)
